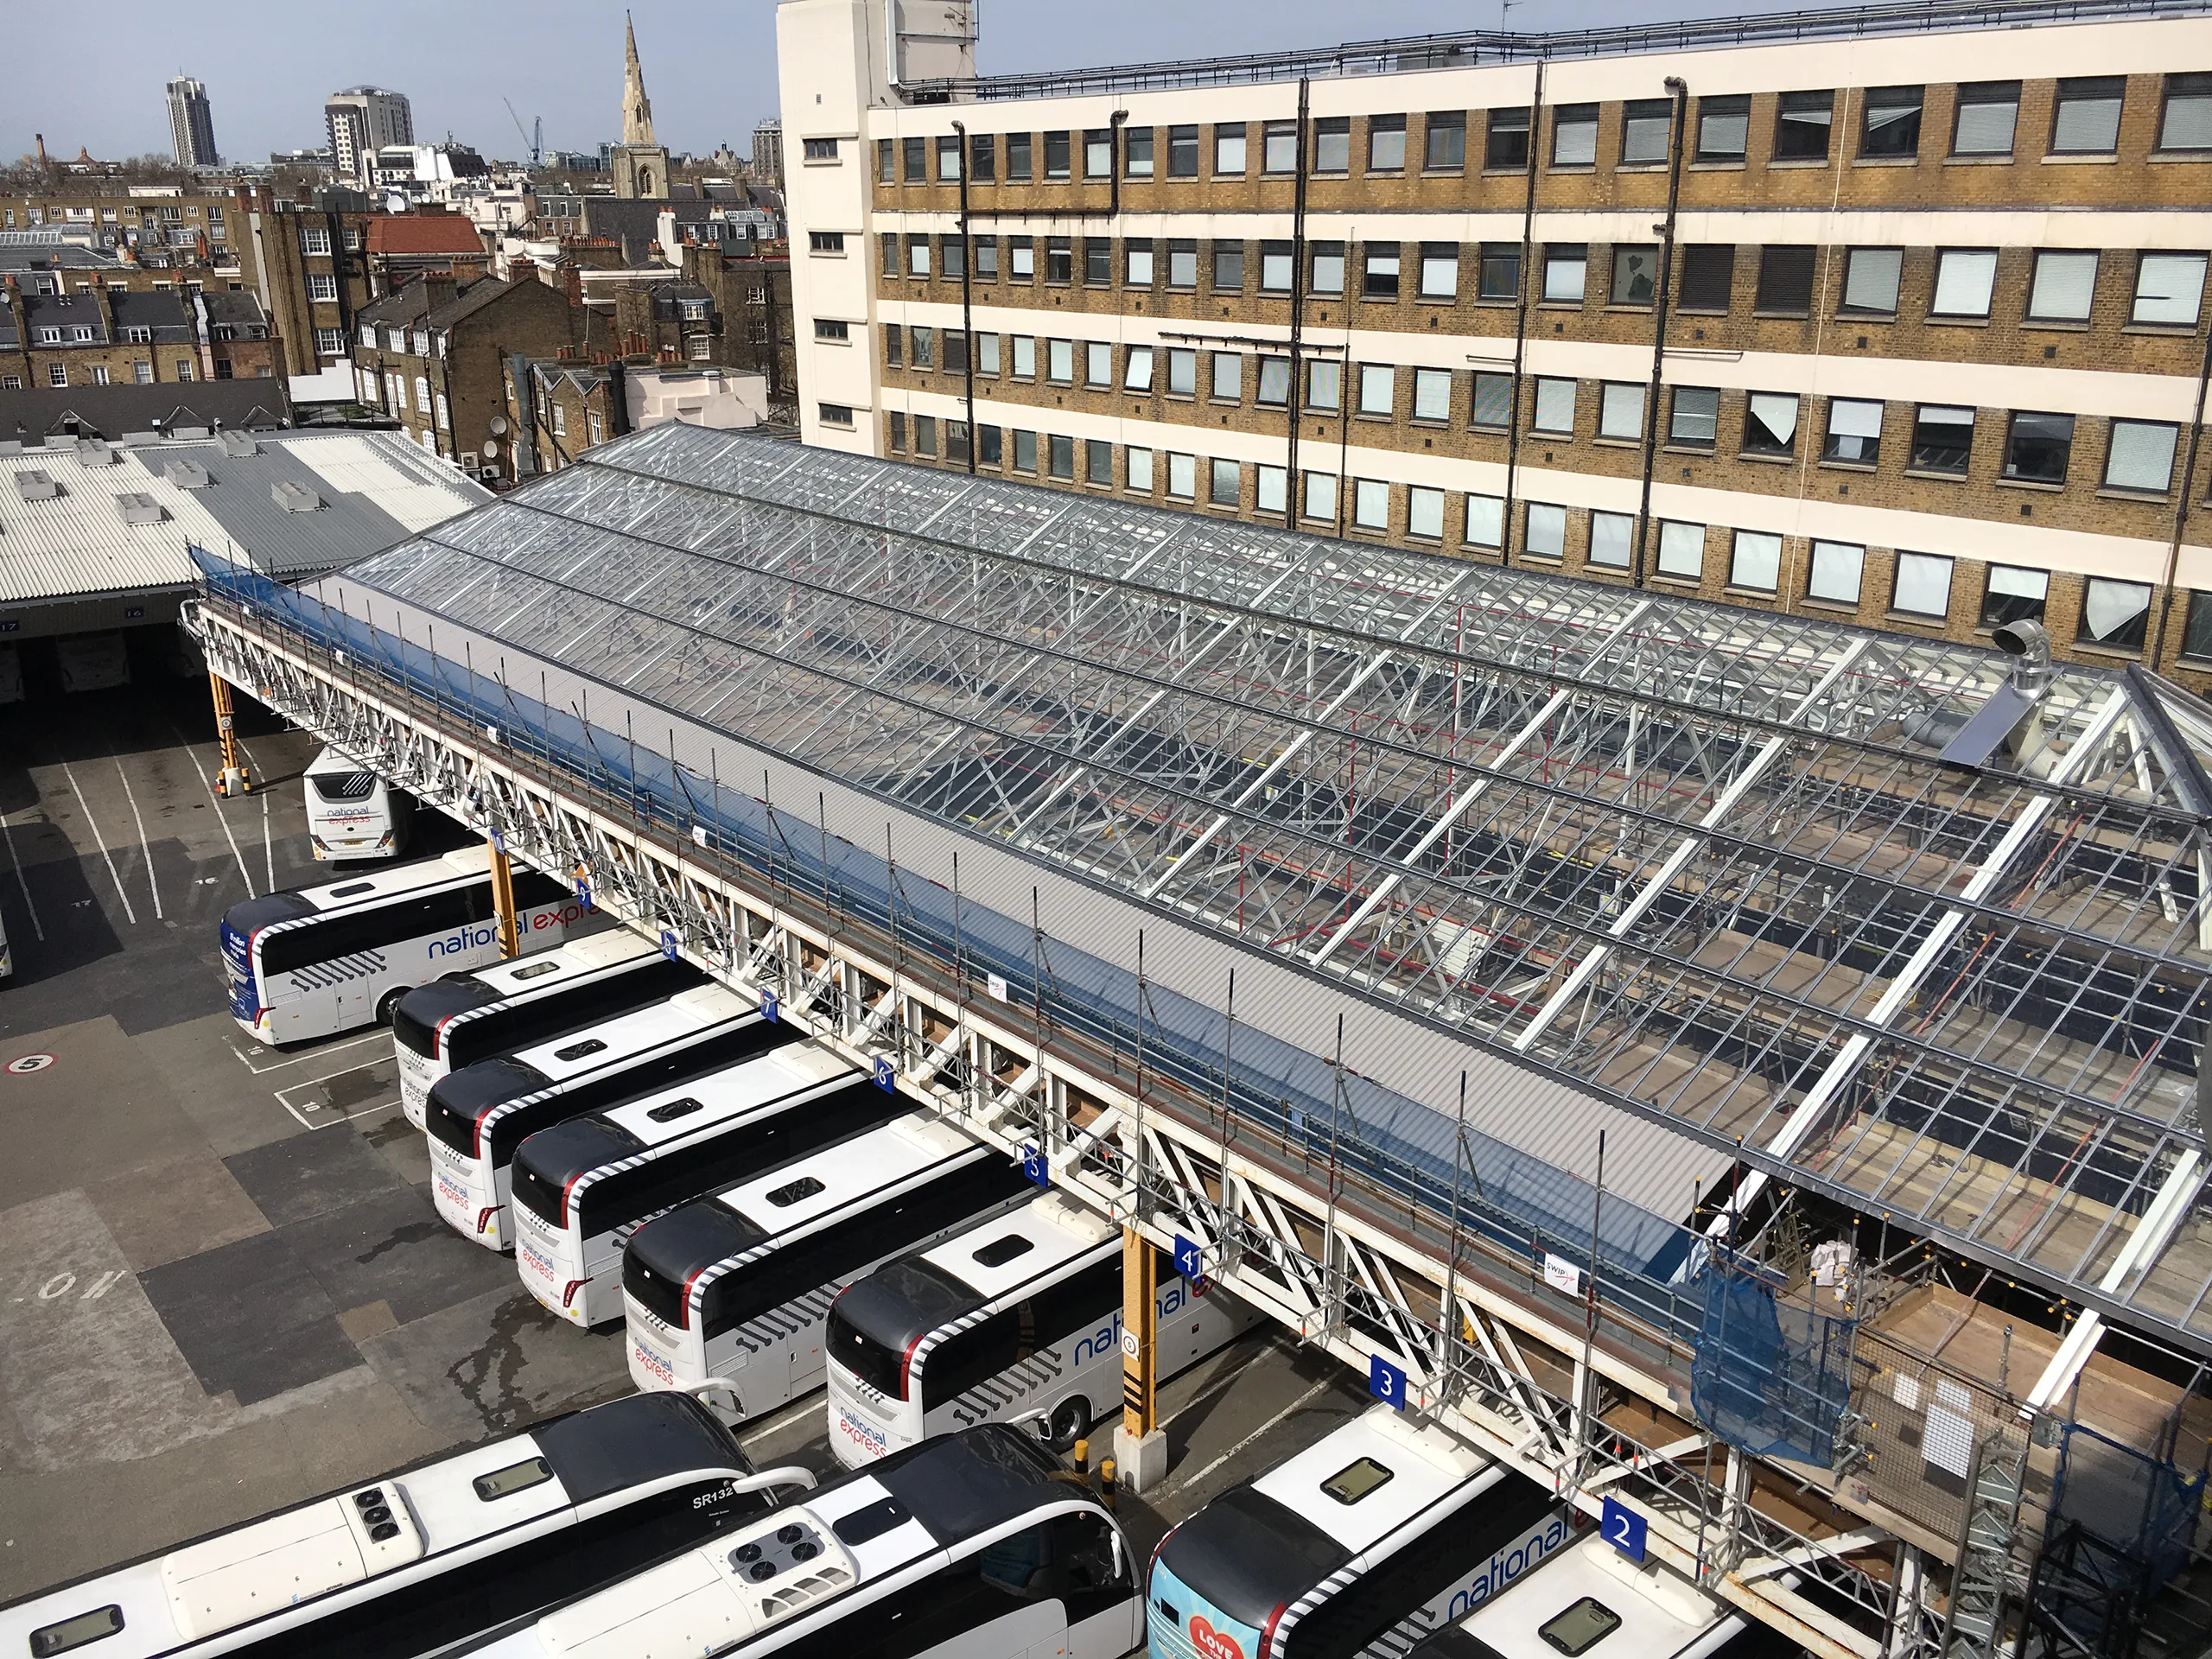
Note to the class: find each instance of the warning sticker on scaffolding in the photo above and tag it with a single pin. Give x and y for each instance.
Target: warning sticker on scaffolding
(1562, 1275)
(997, 983)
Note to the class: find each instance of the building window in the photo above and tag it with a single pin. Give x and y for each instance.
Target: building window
(142, 372)
(57, 374)
(1770, 424)
(1060, 259)
(1378, 386)
(1636, 274)
(987, 354)
(329, 342)
(924, 435)
(1320, 496)
(1837, 568)
(1328, 273)
(1136, 153)
(1018, 172)
(1724, 126)
(1097, 262)
(1491, 407)
(895, 350)
(1022, 259)
(1505, 140)
(1278, 147)
(918, 161)
(1424, 514)
(80, 334)
(955, 351)
(1854, 434)
(1136, 262)
(1869, 281)
(1682, 551)
(1276, 264)
(1785, 281)
(830, 329)
(1708, 277)
(1891, 127)
(1225, 484)
(423, 394)
(1098, 462)
(2168, 287)
(1486, 521)
(2086, 121)
(2140, 456)
(1057, 148)
(1543, 531)
(1098, 153)
(1228, 149)
(924, 342)
(2197, 630)
(1755, 563)
(1554, 406)
(898, 428)
(1024, 451)
(100, 379)
(1800, 126)
(1574, 135)
(1182, 152)
(1324, 385)
(314, 241)
(1646, 123)
(957, 443)
(1182, 372)
(2063, 286)
(1445, 149)
(1228, 267)
(1922, 586)
(2039, 446)
(1182, 476)
(1136, 373)
(825, 241)
(1227, 378)
(1612, 535)
(1988, 110)
(1271, 490)
(1386, 143)
(1498, 277)
(1182, 264)
(1433, 396)
(888, 242)
(1942, 439)
(918, 256)
(1439, 269)
(818, 150)
(1275, 383)
(1620, 409)
(1696, 418)
(2186, 122)
(948, 158)
(1332, 144)
(2013, 594)
(1379, 278)
(139, 334)
(1098, 364)
(1139, 464)
(2113, 612)
(1059, 362)
(1965, 278)
(1564, 265)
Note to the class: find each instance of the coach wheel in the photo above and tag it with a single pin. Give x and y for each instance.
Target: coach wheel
(1070, 1422)
(389, 1006)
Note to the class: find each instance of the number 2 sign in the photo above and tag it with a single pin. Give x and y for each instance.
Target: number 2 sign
(1623, 1528)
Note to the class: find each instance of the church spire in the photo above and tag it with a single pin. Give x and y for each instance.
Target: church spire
(637, 108)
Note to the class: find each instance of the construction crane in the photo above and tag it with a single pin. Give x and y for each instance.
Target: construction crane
(535, 137)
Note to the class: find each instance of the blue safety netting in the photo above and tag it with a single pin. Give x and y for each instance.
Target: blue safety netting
(1519, 1202)
(1770, 1375)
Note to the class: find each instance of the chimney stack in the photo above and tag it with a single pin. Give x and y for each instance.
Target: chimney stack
(41, 138)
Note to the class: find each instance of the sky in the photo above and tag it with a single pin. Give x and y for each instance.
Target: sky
(709, 64)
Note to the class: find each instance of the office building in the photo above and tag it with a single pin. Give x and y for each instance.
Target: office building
(363, 120)
(768, 152)
(192, 123)
(1845, 314)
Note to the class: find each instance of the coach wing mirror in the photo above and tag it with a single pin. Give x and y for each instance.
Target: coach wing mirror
(767, 1480)
(1040, 1420)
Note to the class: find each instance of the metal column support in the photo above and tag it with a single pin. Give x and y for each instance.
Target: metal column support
(503, 897)
(1139, 1445)
(235, 779)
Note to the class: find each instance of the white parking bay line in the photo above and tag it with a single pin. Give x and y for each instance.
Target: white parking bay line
(145, 847)
(102, 840)
(1303, 1400)
(37, 926)
(378, 1035)
(185, 744)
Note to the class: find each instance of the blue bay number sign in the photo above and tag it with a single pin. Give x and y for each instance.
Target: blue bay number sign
(1386, 1381)
(1623, 1528)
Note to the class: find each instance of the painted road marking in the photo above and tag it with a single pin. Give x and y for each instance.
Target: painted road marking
(268, 842)
(24, 1065)
(377, 1035)
(1303, 1400)
(145, 848)
(37, 926)
(206, 784)
(102, 840)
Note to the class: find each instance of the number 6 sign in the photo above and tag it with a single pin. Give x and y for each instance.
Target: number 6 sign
(1623, 1528)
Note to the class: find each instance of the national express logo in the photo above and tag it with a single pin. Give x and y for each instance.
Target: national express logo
(1509, 1563)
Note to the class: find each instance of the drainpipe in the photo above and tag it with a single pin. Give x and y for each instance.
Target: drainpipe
(1290, 494)
(1520, 318)
(968, 294)
(1681, 91)
(2181, 509)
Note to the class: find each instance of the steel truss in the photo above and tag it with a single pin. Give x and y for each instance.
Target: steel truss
(1314, 1248)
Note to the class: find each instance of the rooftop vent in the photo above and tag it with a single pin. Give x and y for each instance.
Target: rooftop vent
(36, 486)
(185, 474)
(294, 497)
(139, 508)
(94, 452)
(237, 445)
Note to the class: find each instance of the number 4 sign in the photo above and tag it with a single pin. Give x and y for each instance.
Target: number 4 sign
(1623, 1528)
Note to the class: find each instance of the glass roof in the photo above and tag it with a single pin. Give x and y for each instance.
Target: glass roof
(1706, 862)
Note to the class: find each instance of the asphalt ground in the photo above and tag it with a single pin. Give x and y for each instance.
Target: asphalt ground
(223, 1287)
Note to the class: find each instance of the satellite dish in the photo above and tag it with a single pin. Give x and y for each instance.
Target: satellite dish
(498, 424)
(490, 448)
